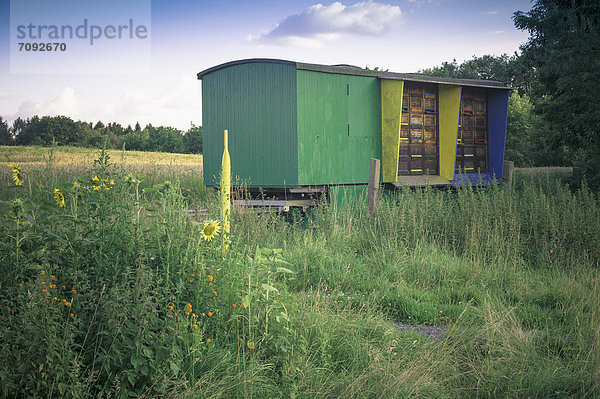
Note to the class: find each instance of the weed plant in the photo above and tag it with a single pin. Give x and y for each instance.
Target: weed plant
(117, 293)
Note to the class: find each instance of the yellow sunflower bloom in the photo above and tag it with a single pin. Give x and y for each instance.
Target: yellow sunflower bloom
(96, 183)
(210, 230)
(59, 198)
(16, 173)
(105, 186)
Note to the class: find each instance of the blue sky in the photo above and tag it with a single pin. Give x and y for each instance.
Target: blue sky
(187, 37)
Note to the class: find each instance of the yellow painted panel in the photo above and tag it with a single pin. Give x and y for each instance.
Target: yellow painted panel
(391, 110)
(449, 99)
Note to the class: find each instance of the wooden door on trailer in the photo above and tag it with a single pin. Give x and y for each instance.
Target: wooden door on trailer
(419, 130)
(472, 140)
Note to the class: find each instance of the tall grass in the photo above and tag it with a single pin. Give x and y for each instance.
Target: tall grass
(301, 307)
(515, 269)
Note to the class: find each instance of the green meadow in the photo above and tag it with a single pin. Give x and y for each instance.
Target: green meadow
(110, 287)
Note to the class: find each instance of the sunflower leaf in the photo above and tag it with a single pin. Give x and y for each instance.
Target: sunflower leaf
(246, 302)
(268, 288)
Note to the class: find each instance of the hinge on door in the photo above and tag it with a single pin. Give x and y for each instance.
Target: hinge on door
(347, 89)
(348, 129)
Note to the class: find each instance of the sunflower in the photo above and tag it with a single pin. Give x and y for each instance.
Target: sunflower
(59, 198)
(16, 173)
(96, 183)
(108, 184)
(210, 230)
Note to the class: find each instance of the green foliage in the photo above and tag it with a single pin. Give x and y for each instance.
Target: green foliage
(563, 50)
(5, 134)
(513, 71)
(509, 70)
(136, 141)
(528, 136)
(192, 140)
(87, 285)
(511, 269)
(267, 270)
(64, 131)
(151, 310)
(528, 141)
(42, 131)
(165, 139)
(38, 341)
(519, 129)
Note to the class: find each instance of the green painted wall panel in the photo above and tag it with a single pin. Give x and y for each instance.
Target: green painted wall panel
(256, 102)
(343, 197)
(339, 127)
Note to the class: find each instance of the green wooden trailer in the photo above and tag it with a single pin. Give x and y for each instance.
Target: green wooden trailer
(296, 127)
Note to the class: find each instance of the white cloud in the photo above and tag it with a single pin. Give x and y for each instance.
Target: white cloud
(496, 32)
(66, 103)
(494, 12)
(319, 23)
(173, 102)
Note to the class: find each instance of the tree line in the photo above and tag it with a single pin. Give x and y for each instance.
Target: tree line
(528, 136)
(63, 130)
(554, 113)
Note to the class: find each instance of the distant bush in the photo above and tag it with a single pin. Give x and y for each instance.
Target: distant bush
(62, 130)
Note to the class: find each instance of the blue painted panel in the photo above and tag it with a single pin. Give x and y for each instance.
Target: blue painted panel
(497, 115)
(474, 179)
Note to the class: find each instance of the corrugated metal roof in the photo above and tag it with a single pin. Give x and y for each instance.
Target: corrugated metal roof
(353, 70)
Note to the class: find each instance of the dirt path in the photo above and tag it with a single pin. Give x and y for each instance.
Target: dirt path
(435, 331)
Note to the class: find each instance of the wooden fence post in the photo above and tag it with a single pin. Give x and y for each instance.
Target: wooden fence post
(373, 191)
(509, 167)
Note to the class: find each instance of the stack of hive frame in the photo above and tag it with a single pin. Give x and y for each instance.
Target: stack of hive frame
(472, 139)
(419, 130)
